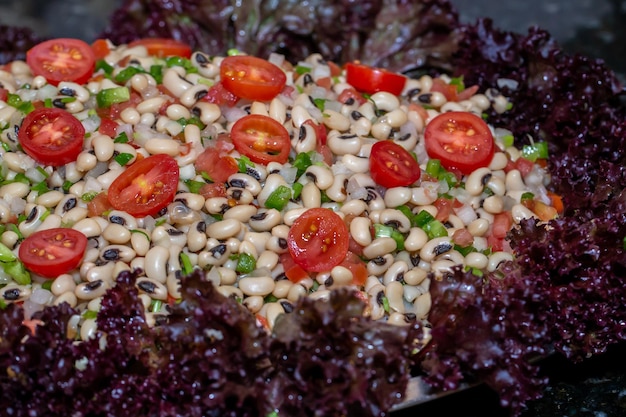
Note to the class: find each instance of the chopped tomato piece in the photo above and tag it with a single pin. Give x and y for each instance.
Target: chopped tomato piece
(98, 205)
(293, 271)
(216, 189)
(216, 162)
(462, 237)
(357, 267)
(444, 208)
(108, 127)
(219, 95)
(100, 48)
(348, 95)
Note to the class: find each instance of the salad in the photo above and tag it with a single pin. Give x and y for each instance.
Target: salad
(485, 320)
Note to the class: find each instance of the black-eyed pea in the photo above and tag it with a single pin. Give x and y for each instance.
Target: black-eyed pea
(14, 189)
(520, 212)
(337, 191)
(90, 290)
(410, 293)
(422, 305)
(167, 235)
(355, 163)
(15, 293)
(272, 312)
(377, 310)
(435, 247)
(442, 267)
(360, 230)
(103, 147)
(9, 238)
(196, 236)
(252, 285)
(397, 196)
(395, 272)
(335, 120)
(216, 205)
(50, 199)
(67, 297)
(452, 106)
(154, 289)
(354, 207)
(6, 112)
(75, 215)
(497, 258)
(477, 180)
(296, 292)
(340, 276)
(370, 282)
(241, 213)
(120, 267)
(88, 329)
(193, 95)
(155, 263)
(379, 247)
(379, 264)
(480, 243)
(299, 114)
(240, 195)
(94, 304)
(62, 284)
(493, 204)
(253, 303)
(89, 227)
(344, 143)
(282, 288)
(177, 111)
(277, 244)
(116, 234)
(114, 253)
(150, 105)
(162, 145)
(422, 196)
(396, 219)
(268, 260)
(321, 176)
(123, 218)
(311, 196)
(140, 241)
(172, 283)
(191, 200)
(230, 291)
(416, 239)
(145, 300)
(454, 256)
(478, 227)
(52, 221)
(131, 116)
(138, 263)
(34, 216)
(394, 292)
(205, 67)
(476, 260)
(398, 319)
(241, 180)
(498, 162)
(385, 101)
(415, 276)
(106, 179)
(277, 110)
(101, 273)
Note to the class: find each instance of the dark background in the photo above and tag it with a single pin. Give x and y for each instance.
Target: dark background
(597, 28)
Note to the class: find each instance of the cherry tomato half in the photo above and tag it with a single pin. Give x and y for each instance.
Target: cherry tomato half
(51, 136)
(163, 47)
(62, 59)
(53, 252)
(460, 140)
(371, 80)
(145, 187)
(252, 78)
(393, 166)
(261, 138)
(318, 240)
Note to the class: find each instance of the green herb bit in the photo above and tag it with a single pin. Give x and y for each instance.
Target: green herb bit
(155, 306)
(157, 73)
(47, 284)
(123, 158)
(302, 162)
(537, 150)
(194, 186)
(385, 303)
(302, 69)
(40, 187)
(279, 198)
(109, 96)
(185, 263)
(43, 172)
(381, 230)
(527, 196)
(67, 185)
(245, 263)
(435, 229)
(90, 314)
(507, 140)
(423, 218)
(320, 103)
(458, 83)
(270, 298)
(464, 250)
(243, 162)
(233, 52)
(297, 189)
(6, 147)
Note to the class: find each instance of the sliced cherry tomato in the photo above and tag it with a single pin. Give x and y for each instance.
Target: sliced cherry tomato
(261, 138)
(145, 187)
(371, 80)
(163, 47)
(51, 136)
(252, 78)
(53, 252)
(392, 166)
(318, 240)
(62, 59)
(460, 140)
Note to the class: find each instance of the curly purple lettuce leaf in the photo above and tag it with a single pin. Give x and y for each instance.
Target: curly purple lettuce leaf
(15, 41)
(330, 360)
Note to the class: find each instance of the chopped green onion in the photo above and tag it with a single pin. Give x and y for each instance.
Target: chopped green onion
(185, 263)
(433, 166)
(13, 228)
(279, 198)
(6, 147)
(270, 298)
(123, 158)
(87, 197)
(109, 96)
(90, 314)
(320, 103)
(243, 162)
(464, 250)
(194, 186)
(157, 73)
(6, 254)
(458, 83)
(155, 306)
(302, 162)
(67, 185)
(127, 73)
(423, 218)
(448, 177)
(121, 138)
(245, 263)
(527, 196)
(507, 140)
(537, 150)
(381, 230)
(40, 187)
(302, 69)
(385, 302)
(16, 270)
(177, 61)
(43, 172)
(47, 284)
(297, 189)
(435, 229)
(101, 64)
(233, 52)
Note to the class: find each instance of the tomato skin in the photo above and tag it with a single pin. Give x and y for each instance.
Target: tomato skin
(98, 205)
(215, 189)
(53, 252)
(219, 95)
(252, 78)
(163, 47)
(62, 59)
(216, 162)
(261, 138)
(4, 94)
(357, 267)
(350, 94)
(460, 140)
(318, 240)
(51, 136)
(371, 80)
(294, 272)
(392, 166)
(146, 186)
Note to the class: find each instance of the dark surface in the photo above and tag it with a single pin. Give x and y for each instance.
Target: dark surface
(596, 28)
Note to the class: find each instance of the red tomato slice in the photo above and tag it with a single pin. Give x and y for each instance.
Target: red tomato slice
(163, 47)
(392, 166)
(261, 138)
(53, 252)
(145, 187)
(460, 140)
(51, 136)
(371, 80)
(62, 59)
(318, 240)
(252, 78)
